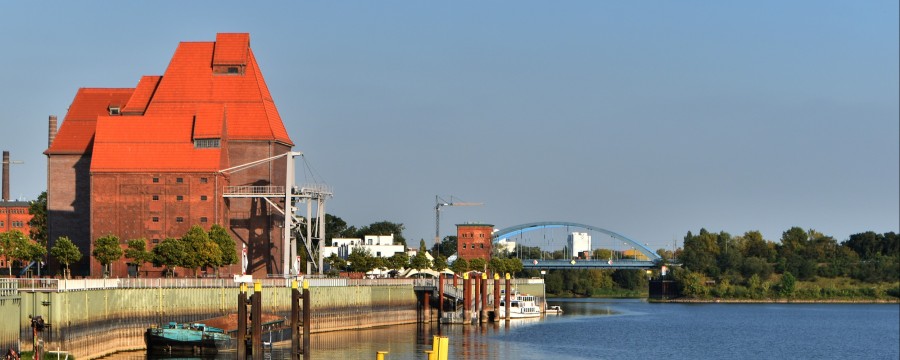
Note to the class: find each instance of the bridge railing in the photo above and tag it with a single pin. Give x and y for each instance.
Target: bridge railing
(63, 285)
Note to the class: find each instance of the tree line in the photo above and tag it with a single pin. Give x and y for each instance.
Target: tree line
(748, 266)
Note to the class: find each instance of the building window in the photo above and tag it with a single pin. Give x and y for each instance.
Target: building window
(482, 246)
(179, 219)
(1, 223)
(203, 180)
(155, 197)
(464, 246)
(203, 219)
(114, 110)
(155, 219)
(156, 241)
(202, 197)
(179, 198)
(233, 70)
(206, 143)
(17, 224)
(156, 179)
(179, 180)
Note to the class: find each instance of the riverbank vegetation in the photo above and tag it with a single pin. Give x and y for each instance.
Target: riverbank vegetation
(804, 265)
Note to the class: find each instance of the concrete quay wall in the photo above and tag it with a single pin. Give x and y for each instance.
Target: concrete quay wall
(93, 323)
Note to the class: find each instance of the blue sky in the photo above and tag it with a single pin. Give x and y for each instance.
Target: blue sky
(646, 118)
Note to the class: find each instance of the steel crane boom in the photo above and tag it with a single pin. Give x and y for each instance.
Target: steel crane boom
(438, 204)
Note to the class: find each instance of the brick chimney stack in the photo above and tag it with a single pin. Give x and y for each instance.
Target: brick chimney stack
(5, 176)
(52, 131)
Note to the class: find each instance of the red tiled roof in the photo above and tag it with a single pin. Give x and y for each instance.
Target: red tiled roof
(77, 130)
(209, 121)
(141, 97)
(231, 49)
(163, 115)
(126, 143)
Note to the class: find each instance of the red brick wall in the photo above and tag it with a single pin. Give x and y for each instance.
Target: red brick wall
(474, 241)
(152, 206)
(68, 206)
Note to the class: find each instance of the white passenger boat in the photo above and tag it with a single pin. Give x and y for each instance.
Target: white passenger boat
(520, 306)
(554, 309)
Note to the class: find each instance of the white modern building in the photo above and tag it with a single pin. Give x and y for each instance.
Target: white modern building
(505, 245)
(578, 243)
(377, 245)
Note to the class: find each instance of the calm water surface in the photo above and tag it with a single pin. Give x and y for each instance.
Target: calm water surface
(635, 329)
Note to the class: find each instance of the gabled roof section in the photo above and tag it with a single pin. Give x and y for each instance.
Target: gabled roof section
(231, 49)
(190, 83)
(141, 97)
(76, 134)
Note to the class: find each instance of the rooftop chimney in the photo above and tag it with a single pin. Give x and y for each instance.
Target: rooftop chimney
(52, 133)
(5, 176)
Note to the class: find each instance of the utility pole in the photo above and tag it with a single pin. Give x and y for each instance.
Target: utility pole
(438, 204)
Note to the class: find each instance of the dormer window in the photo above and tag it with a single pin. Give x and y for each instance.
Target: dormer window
(114, 110)
(206, 143)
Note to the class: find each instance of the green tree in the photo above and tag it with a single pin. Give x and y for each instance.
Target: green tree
(498, 266)
(693, 284)
(477, 264)
(34, 252)
(439, 263)
(226, 244)
(106, 251)
(336, 263)
(168, 253)
(788, 285)
(66, 253)
(383, 228)
(420, 261)
(137, 253)
(12, 246)
(38, 223)
(513, 265)
(447, 246)
(459, 266)
(399, 260)
(200, 250)
(700, 252)
(360, 260)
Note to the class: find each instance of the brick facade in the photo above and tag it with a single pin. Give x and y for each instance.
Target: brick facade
(146, 162)
(474, 241)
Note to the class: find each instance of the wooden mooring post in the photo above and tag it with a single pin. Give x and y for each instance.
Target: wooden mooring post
(256, 322)
(295, 321)
(496, 297)
(307, 313)
(507, 296)
(242, 323)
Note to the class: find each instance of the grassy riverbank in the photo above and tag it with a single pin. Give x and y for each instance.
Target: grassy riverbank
(819, 290)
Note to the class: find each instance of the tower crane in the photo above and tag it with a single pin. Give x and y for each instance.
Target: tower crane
(438, 204)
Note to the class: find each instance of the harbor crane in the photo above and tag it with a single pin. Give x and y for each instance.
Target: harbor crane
(438, 204)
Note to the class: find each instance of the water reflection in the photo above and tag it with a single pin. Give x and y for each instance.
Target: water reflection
(501, 340)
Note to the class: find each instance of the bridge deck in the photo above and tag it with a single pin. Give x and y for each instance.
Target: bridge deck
(587, 264)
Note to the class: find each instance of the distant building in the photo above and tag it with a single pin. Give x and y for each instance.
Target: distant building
(474, 241)
(578, 243)
(146, 162)
(506, 246)
(14, 216)
(377, 245)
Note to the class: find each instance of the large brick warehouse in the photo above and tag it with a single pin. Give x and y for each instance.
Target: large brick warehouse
(145, 162)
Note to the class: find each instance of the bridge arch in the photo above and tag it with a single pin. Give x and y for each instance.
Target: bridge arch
(518, 229)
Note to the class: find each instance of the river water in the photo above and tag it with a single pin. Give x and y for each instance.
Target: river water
(635, 329)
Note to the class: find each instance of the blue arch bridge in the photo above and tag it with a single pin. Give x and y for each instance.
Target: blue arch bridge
(650, 257)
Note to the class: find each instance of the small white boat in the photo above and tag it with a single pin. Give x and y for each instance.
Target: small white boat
(520, 306)
(555, 309)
